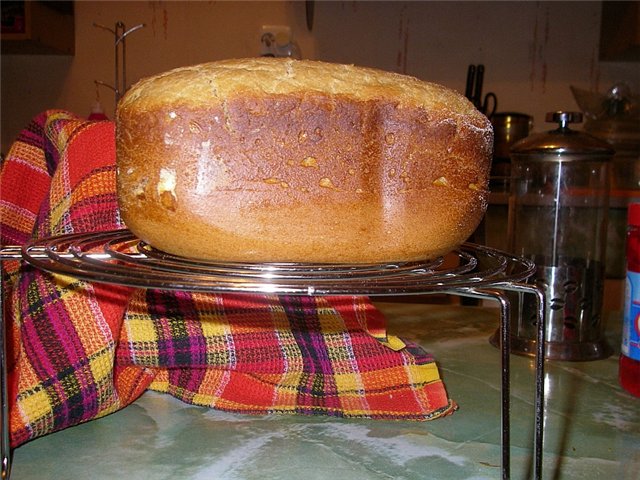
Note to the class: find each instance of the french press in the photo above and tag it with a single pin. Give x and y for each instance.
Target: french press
(558, 206)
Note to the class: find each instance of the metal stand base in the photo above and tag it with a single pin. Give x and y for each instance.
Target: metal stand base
(564, 351)
(504, 338)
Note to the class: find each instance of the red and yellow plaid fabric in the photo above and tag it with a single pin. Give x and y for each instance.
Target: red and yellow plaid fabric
(79, 351)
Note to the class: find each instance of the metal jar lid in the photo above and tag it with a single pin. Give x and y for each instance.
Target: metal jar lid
(562, 143)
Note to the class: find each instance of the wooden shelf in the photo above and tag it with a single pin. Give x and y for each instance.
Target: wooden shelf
(38, 27)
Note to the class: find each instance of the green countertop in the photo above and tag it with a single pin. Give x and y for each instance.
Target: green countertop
(592, 427)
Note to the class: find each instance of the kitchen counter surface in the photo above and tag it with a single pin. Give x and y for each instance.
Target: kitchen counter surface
(592, 427)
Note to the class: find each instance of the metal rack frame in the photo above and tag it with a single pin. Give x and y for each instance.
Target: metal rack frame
(117, 257)
(120, 33)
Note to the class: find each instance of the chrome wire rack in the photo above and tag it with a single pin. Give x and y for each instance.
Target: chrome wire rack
(118, 257)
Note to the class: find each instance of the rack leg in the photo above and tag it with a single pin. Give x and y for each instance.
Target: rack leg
(540, 353)
(505, 362)
(539, 373)
(5, 448)
(505, 350)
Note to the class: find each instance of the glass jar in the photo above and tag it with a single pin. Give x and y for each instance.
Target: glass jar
(618, 123)
(558, 207)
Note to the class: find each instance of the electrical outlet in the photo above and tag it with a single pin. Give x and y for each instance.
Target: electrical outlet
(273, 38)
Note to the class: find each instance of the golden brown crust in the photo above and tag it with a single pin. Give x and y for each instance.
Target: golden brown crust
(283, 160)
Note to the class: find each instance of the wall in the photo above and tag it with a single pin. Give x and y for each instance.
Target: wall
(532, 51)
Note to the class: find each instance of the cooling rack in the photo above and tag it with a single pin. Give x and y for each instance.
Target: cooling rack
(118, 257)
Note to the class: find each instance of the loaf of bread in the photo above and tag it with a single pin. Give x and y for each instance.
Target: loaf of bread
(281, 160)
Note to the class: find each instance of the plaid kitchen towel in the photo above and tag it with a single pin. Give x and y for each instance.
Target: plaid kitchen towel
(78, 351)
